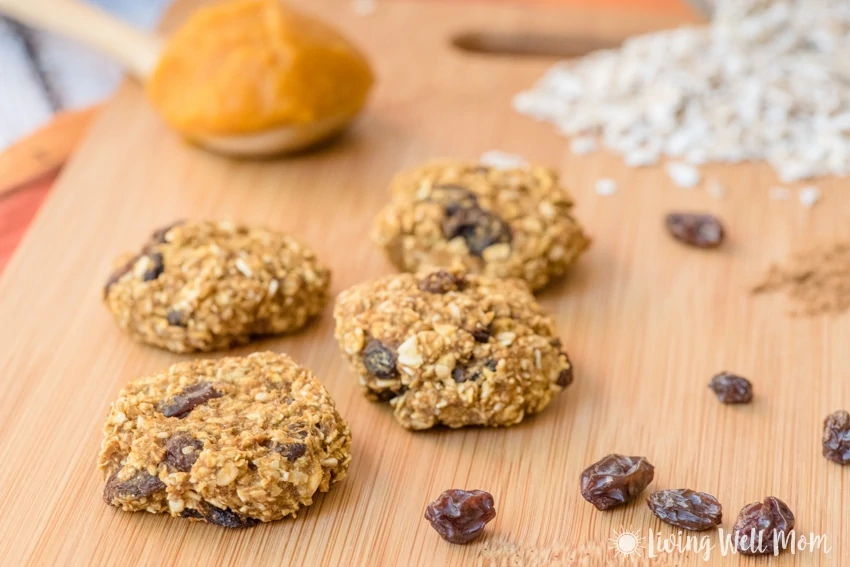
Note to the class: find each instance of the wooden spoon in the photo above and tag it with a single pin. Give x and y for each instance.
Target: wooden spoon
(138, 52)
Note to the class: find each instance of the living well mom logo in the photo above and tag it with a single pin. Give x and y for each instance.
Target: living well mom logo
(630, 543)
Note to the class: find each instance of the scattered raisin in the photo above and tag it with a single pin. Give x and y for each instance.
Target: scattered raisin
(227, 518)
(180, 405)
(480, 229)
(156, 270)
(442, 282)
(176, 455)
(615, 480)
(141, 485)
(686, 509)
(731, 389)
(836, 437)
(762, 526)
(176, 318)
(702, 231)
(459, 516)
(380, 360)
(159, 234)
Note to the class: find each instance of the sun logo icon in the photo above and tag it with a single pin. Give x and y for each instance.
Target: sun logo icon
(627, 543)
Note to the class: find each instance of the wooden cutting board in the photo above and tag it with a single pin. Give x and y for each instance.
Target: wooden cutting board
(645, 320)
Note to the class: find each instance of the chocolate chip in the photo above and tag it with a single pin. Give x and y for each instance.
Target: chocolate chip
(480, 229)
(176, 318)
(141, 485)
(176, 455)
(156, 270)
(159, 235)
(380, 360)
(442, 282)
(180, 405)
(227, 518)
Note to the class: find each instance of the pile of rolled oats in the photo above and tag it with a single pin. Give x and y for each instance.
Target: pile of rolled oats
(767, 80)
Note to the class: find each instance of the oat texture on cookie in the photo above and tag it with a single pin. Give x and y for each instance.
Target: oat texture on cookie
(498, 222)
(202, 286)
(451, 348)
(232, 442)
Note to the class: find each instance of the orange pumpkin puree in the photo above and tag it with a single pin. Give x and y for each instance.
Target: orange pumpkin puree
(244, 66)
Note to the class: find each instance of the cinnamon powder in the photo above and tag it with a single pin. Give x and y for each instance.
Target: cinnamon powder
(816, 281)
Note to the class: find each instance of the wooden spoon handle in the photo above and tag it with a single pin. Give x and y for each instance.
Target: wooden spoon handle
(136, 50)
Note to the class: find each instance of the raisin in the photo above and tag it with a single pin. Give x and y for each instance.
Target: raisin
(482, 334)
(291, 451)
(442, 282)
(191, 513)
(176, 318)
(141, 485)
(227, 518)
(836, 437)
(462, 374)
(762, 526)
(455, 197)
(156, 270)
(731, 389)
(615, 480)
(459, 516)
(702, 231)
(565, 377)
(480, 229)
(180, 405)
(380, 360)
(177, 457)
(159, 235)
(686, 509)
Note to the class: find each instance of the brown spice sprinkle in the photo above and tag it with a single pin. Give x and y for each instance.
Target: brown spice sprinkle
(515, 223)
(243, 440)
(815, 281)
(201, 286)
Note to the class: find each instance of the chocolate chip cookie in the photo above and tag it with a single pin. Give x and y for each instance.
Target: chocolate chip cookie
(202, 286)
(445, 347)
(232, 442)
(497, 222)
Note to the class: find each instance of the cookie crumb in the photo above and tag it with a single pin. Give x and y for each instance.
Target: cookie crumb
(606, 187)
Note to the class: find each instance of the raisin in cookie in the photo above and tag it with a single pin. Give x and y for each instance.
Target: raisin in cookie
(497, 222)
(201, 286)
(447, 348)
(233, 441)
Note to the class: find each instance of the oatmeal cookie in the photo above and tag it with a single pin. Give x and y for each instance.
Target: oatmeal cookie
(232, 442)
(202, 286)
(498, 222)
(444, 347)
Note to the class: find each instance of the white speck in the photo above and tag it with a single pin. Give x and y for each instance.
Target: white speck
(363, 7)
(606, 187)
(583, 145)
(502, 160)
(641, 158)
(779, 193)
(243, 267)
(715, 189)
(809, 196)
(273, 287)
(683, 175)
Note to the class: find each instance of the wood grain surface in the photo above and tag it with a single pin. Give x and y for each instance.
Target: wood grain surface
(645, 320)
